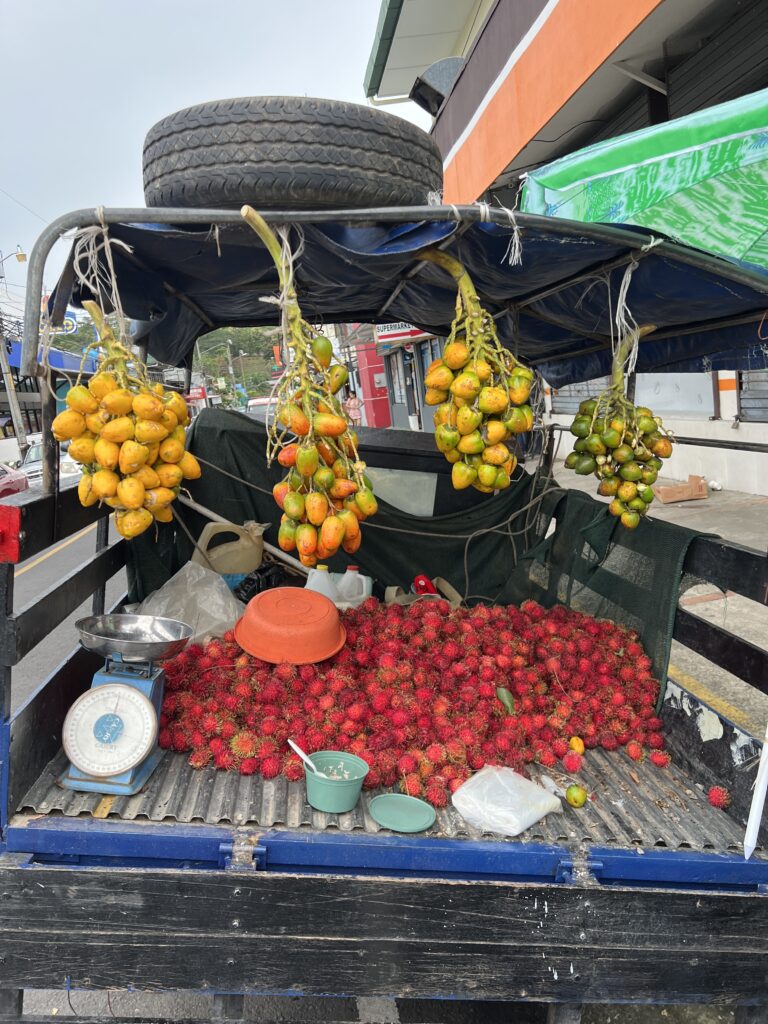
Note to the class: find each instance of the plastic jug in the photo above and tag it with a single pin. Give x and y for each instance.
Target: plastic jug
(319, 580)
(236, 557)
(352, 587)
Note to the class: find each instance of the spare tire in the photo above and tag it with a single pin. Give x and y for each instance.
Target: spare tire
(288, 152)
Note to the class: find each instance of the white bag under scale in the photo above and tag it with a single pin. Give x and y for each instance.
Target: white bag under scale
(499, 800)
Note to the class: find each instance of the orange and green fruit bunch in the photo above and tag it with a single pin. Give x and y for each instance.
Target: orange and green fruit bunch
(129, 437)
(325, 494)
(481, 392)
(624, 447)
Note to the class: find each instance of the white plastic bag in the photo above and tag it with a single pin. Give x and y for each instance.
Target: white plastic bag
(197, 596)
(499, 800)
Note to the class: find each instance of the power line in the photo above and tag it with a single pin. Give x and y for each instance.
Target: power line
(23, 206)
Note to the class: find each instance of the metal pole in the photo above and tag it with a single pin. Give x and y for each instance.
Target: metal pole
(13, 400)
(389, 215)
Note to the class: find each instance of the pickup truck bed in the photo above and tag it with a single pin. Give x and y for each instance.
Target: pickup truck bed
(635, 806)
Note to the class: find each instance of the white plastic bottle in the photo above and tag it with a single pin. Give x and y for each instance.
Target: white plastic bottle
(352, 587)
(319, 580)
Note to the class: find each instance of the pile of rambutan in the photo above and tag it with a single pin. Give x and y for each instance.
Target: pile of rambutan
(413, 692)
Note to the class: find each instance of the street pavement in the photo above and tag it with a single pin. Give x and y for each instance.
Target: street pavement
(32, 578)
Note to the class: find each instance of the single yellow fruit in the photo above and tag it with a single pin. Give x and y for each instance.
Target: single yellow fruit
(114, 503)
(434, 396)
(179, 434)
(178, 406)
(101, 384)
(157, 389)
(118, 403)
(130, 492)
(132, 456)
(106, 453)
(67, 425)
(154, 454)
(95, 421)
(105, 483)
(81, 400)
(168, 474)
(189, 466)
(439, 378)
(456, 355)
(496, 454)
(118, 430)
(163, 514)
(147, 406)
(169, 420)
(150, 431)
(85, 491)
(576, 743)
(147, 476)
(131, 524)
(171, 450)
(158, 496)
(482, 369)
(81, 450)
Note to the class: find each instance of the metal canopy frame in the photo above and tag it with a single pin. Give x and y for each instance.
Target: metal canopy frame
(462, 216)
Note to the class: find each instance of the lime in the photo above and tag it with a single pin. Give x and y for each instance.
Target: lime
(576, 795)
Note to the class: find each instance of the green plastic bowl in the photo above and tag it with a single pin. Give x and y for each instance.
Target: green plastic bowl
(335, 796)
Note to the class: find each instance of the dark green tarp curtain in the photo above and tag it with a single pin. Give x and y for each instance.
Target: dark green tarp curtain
(505, 549)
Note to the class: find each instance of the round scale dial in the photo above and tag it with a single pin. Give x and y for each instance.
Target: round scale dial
(109, 730)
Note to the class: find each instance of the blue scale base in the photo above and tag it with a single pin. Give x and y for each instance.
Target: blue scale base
(149, 681)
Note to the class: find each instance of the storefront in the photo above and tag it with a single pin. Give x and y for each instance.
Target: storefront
(407, 353)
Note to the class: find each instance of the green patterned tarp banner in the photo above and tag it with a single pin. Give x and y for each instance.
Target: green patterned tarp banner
(701, 179)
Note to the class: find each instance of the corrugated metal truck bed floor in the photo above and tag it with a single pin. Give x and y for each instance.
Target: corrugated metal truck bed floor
(634, 805)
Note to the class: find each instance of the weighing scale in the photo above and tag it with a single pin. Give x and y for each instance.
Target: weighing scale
(110, 732)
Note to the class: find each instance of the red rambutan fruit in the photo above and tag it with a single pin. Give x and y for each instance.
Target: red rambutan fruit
(200, 758)
(249, 766)
(225, 760)
(436, 795)
(572, 762)
(270, 766)
(635, 751)
(411, 784)
(719, 796)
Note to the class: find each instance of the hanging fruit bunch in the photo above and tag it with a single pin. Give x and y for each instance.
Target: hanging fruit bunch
(128, 435)
(621, 444)
(481, 392)
(325, 495)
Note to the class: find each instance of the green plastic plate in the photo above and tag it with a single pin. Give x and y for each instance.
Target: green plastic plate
(402, 813)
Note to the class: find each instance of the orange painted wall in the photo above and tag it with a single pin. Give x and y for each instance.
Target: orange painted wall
(576, 39)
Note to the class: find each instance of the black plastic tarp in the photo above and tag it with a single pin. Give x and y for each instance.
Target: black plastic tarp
(555, 309)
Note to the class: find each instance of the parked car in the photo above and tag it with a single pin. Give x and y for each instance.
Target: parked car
(11, 480)
(32, 464)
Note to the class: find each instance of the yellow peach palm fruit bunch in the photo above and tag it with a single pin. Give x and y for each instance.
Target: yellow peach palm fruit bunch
(127, 434)
(325, 494)
(621, 444)
(481, 392)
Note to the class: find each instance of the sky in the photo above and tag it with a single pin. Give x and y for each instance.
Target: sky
(84, 80)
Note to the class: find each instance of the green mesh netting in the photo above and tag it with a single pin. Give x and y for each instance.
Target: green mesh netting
(505, 549)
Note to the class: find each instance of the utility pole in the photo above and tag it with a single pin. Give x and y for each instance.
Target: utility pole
(13, 398)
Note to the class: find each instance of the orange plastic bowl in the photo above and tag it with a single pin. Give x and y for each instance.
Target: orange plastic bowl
(290, 624)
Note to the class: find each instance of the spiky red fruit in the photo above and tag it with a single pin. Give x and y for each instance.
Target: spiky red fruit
(249, 766)
(572, 762)
(270, 766)
(200, 758)
(660, 758)
(411, 784)
(719, 796)
(436, 795)
(635, 750)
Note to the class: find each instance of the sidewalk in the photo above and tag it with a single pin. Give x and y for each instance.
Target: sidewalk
(735, 516)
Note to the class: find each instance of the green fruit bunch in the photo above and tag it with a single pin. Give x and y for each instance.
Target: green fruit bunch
(623, 446)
